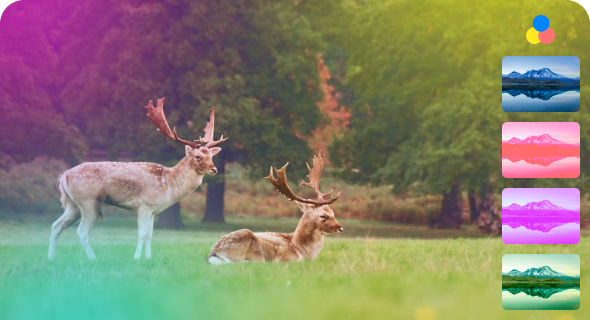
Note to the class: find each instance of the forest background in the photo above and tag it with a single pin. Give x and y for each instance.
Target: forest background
(403, 98)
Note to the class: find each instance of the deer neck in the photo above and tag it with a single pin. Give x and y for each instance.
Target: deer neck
(183, 179)
(308, 238)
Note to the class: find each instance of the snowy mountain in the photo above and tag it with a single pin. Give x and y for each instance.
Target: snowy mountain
(540, 140)
(513, 74)
(544, 272)
(541, 74)
(514, 140)
(514, 206)
(542, 205)
(513, 272)
(540, 209)
(543, 139)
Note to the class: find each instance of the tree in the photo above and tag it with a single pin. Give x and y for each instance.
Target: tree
(253, 61)
(336, 119)
(429, 95)
(32, 122)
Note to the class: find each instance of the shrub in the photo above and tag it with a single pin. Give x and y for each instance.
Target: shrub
(31, 187)
(257, 198)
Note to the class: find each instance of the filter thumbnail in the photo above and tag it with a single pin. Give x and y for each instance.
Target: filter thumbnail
(541, 215)
(541, 281)
(541, 150)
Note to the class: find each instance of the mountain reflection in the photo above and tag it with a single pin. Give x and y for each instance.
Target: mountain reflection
(543, 291)
(544, 161)
(543, 224)
(538, 93)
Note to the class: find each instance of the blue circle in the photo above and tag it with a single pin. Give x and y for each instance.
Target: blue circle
(541, 23)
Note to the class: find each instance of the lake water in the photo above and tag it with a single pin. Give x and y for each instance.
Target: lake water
(542, 231)
(540, 167)
(540, 101)
(566, 297)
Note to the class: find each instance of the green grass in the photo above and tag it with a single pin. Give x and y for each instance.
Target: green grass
(506, 278)
(352, 278)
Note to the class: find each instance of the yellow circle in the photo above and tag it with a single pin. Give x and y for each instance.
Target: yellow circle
(532, 36)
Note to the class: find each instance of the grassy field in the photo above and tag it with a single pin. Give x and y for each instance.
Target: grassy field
(379, 271)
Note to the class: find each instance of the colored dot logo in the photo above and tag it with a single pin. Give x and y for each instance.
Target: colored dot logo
(540, 32)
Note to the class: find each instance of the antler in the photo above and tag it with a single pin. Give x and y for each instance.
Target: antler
(282, 186)
(315, 174)
(208, 139)
(158, 119)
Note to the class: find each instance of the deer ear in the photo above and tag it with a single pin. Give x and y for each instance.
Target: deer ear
(305, 207)
(215, 150)
(188, 150)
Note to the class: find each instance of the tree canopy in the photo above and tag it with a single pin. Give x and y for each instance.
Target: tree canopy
(428, 86)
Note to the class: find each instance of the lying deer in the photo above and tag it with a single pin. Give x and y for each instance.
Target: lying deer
(305, 243)
(146, 188)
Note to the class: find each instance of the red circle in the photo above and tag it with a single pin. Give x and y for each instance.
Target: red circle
(547, 36)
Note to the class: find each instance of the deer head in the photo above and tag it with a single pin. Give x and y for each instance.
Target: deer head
(319, 214)
(198, 152)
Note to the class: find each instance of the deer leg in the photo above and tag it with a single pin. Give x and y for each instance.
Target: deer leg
(89, 216)
(71, 215)
(83, 232)
(143, 225)
(148, 241)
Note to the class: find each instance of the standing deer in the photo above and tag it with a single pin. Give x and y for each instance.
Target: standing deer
(146, 188)
(305, 243)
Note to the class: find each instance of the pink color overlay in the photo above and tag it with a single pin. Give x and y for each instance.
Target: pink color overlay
(540, 150)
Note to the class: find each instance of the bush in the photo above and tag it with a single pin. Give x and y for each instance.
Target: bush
(31, 187)
(257, 198)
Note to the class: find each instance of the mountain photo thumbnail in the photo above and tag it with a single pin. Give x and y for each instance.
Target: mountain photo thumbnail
(540, 281)
(540, 84)
(541, 150)
(541, 216)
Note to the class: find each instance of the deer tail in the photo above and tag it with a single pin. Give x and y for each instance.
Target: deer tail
(62, 186)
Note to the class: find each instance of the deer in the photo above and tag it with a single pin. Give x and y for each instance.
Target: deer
(305, 242)
(146, 188)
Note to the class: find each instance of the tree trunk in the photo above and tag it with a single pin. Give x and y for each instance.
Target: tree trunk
(170, 218)
(488, 220)
(452, 208)
(473, 206)
(488, 203)
(215, 193)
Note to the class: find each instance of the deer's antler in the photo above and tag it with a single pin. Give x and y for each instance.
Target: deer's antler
(158, 119)
(315, 174)
(282, 186)
(208, 139)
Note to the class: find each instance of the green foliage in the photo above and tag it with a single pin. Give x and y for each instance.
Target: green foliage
(31, 187)
(535, 280)
(356, 201)
(253, 61)
(31, 122)
(428, 81)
